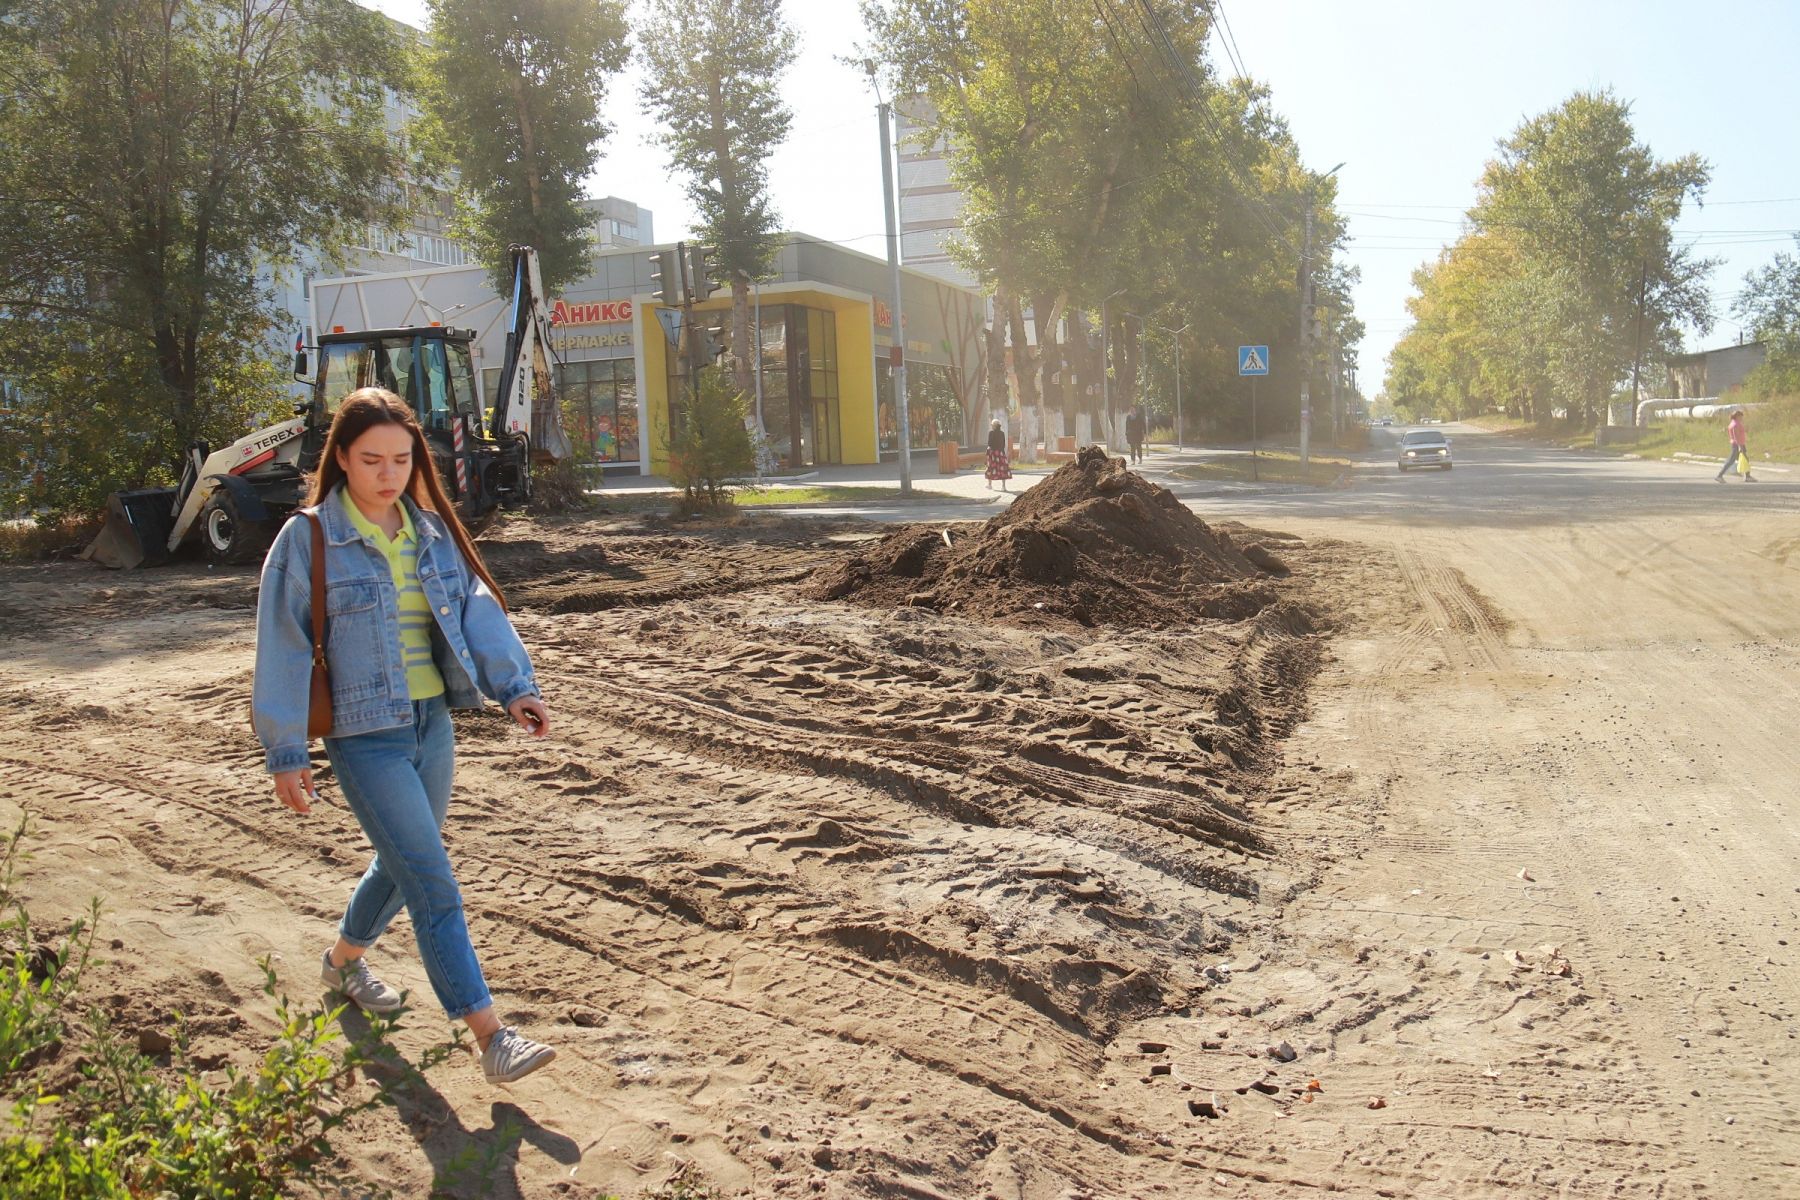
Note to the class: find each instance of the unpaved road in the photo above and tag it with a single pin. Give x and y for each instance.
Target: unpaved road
(837, 902)
(1585, 671)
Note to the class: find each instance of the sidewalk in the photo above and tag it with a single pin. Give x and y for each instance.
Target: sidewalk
(965, 496)
(966, 485)
(971, 484)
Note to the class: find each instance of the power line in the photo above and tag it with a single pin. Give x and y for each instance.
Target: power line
(1229, 41)
(1465, 207)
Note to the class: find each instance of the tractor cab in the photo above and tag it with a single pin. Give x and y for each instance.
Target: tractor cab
(431, 369)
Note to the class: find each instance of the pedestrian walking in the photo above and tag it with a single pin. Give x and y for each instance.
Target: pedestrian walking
(999, 465)
(1134, 434)
(1740, 448)
(414, 626)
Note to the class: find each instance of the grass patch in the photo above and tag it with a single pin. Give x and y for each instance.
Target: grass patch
(1774, 435)
(830, 494)
(23, 541)
(1501, 423)
(1271, 466)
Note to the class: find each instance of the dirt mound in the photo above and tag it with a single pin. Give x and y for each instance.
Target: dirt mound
(1094, 544)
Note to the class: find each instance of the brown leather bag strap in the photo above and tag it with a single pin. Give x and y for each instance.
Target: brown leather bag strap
(318, 589)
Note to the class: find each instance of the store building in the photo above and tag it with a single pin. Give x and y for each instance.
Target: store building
(825, 388)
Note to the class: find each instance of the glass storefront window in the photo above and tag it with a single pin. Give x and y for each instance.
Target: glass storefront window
(930, 402)
(599, 399)
(800, 385)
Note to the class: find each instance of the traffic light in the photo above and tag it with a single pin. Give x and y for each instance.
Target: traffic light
(704, 270)
(714, 342)
(665, 272)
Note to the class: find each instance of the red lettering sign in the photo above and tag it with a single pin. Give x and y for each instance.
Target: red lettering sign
(884, 316)
(601, 312)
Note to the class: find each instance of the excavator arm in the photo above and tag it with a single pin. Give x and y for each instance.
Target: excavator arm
(527, 402)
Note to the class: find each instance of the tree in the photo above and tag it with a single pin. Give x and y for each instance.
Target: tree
(513, 93)
(710, 449)
(1567, 274)
(154, 155)
(1101, 159)
(1770, 304)
(712, 76)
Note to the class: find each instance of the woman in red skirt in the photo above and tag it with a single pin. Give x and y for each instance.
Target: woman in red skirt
(999, 465)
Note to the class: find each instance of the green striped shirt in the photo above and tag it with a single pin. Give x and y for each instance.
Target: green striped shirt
(402, 554)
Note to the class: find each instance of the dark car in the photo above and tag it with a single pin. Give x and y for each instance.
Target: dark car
(1424, 448)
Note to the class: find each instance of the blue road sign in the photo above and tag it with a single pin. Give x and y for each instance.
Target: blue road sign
(1253, 360)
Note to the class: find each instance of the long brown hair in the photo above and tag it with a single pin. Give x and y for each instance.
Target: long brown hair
(360, 411)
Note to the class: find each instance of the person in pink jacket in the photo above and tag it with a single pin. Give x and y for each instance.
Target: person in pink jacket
(1740, 448)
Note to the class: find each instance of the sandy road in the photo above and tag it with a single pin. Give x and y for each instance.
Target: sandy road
(1568, 721)
(835, 902)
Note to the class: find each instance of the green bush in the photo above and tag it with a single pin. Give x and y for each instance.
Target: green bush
(128, 1128)
(710, 450)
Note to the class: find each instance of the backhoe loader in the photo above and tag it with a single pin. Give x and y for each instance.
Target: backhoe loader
(236, 498)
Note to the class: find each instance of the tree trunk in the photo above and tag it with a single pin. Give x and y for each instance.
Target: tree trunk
(1025, 360)
(743, 348)
(1052, 379)
(998, 396)
(527, 147)
(1078, 354)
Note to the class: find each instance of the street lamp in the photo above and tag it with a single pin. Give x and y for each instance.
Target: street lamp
(1106, 365)
(897, 348)
(1176, 335)
(1312, 189)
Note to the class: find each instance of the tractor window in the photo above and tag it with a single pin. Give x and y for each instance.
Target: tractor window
(435, 403)
(464, 395)
(348, 365)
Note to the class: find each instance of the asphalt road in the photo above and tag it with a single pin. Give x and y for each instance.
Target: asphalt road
(1502, 481)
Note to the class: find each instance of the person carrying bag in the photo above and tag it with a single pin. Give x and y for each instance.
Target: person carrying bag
(376, 617)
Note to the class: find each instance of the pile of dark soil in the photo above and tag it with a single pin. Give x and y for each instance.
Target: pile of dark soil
(1094, 544)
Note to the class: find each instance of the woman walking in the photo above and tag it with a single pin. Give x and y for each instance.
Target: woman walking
(1740, 448)
(999, 464)
(415, 627)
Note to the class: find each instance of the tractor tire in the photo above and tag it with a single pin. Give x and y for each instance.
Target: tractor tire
(230, 539)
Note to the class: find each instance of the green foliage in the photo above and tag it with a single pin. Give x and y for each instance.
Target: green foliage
(154, 157)
(513, 96)
(1569, 261)
(35, 981)
(53, 1160)
(710, 450)
(688, 1182)
(1103, 159)
(712, 77)
(130, 1129)
(474, 1168)
(1770, 304)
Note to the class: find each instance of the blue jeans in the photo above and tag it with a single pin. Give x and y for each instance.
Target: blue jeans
(397, 782)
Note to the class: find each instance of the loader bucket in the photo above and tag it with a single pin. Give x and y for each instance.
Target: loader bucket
(136, 531)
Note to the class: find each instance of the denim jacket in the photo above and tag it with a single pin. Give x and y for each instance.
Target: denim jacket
(473, 644)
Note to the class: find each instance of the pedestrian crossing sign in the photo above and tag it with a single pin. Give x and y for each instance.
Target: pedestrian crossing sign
(1253, 360)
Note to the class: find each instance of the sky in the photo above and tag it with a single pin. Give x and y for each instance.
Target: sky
(1411, 95)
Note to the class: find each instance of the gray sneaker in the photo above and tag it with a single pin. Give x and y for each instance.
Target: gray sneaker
(357, 984)
(510, 1056)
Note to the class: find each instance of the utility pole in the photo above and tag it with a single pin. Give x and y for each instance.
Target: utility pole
(1336, 420)
(1178, 445)
(1305, 330)
(897, 352)
(1637, 358)
(1106, 367)
(1176, 335)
